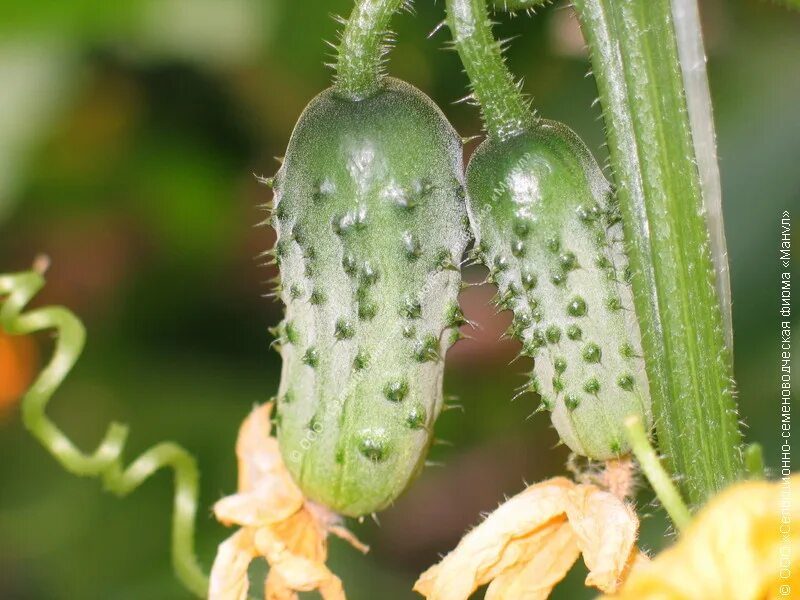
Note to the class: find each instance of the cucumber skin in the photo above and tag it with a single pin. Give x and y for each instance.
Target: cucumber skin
(547, 227)
(371, 225)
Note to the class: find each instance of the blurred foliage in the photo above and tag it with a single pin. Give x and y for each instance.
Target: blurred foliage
(129, 132)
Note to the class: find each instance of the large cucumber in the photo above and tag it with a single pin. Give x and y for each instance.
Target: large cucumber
(371, 223)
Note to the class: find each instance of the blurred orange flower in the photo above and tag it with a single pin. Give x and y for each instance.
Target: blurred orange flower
(743, 545)
(277, 522)
(17, 367)
(526, 546)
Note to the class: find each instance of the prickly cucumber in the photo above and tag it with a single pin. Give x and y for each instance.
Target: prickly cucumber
(547, 227)
(371, 223)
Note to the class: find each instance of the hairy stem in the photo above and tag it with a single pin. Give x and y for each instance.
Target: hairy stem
(106, 461)
(662, 485)
(504, 109)
(698, 101)
(363, 46)
(517, 5)
(636, 64)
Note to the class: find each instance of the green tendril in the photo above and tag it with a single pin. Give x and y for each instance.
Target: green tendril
(362, 50)
(106, 461)
(504, 109)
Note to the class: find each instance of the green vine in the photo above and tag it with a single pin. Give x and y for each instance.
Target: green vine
(361, 52)
(636, 64)
(106, 461)
(505, 111)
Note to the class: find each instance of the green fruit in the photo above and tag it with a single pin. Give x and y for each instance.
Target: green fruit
(547, 227)
(371, 223)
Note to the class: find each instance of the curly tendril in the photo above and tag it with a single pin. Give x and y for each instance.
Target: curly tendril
(106, 461)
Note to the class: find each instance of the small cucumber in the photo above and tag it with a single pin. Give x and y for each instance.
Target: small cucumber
(547, 227)
(371, 223)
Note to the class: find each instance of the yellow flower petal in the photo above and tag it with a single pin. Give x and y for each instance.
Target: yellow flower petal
(496, 544)
(228, 578)
(529, 543)
(276, 587)
(297, 572)
(606, 530)
(536, 578)
(731, 551)
(277, 522)
(258, 455)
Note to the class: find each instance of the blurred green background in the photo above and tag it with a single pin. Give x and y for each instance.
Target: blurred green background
(129, 135)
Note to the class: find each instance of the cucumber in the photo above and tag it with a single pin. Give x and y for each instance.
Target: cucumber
(371, 227)
(548, 228)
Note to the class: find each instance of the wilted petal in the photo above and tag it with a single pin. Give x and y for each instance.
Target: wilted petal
(276, 587)
(251, 510)
(499, 543)
(297, 572)
(345, 534)
(606, 529)
(278, 524)
(526, 546)
(267, 493)
(304, 535)
(731, 551)
(535, 579)
(228, 580)
(260, 460)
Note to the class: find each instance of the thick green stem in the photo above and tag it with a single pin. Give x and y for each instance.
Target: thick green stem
(504, 109)
(692, 55)
(106, 461)
(359, 66)
(635, 62)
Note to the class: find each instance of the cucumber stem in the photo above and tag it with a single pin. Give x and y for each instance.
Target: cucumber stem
(662, 485)
(689, 37)
(504, 109)
(361, 52)
(512, 6)
(635, 61)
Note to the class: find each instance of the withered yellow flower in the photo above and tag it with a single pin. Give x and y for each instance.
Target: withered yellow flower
(526, 546)
(743, 545)
(277, 522)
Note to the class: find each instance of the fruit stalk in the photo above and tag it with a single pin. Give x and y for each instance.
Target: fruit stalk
(636, 64)
(504, 110)
(361, 52)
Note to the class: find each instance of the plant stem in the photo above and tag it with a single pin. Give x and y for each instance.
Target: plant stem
(636, 64)
(359, 66)
(662, 485)
(106, 462)
(504, 109)
(517, 5)
(692, 55)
